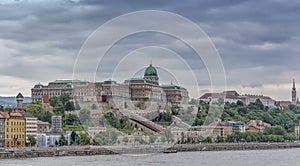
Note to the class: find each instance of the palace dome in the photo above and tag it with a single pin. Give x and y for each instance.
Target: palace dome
(150, 71)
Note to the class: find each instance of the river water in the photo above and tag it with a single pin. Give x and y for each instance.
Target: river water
(289, 157)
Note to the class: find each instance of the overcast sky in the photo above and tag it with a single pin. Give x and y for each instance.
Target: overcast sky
(258, 42)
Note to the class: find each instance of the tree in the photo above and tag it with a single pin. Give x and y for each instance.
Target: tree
(32, 140)
(114, 121)
(73, 136)
(152, 138)
(166, 116)
(208, 140)
(70, 106)
(83, 139)
(239, 103)
(8, 109)
(175, 110)
(219, 139)
(108, 137)
(64, 98)
(279, 130)
(62, 141)
(125, 105)
(59, 109)
(45, 116)
(163, 139)
(54, 101)
(70, 119)
(84, 116)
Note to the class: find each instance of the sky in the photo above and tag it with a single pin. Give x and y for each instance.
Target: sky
(256, 41)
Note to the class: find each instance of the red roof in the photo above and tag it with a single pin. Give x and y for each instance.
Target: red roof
(46, 99)
(218, 95)
(16, 114)
(4, 114)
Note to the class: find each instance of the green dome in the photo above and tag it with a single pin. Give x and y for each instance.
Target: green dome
(150, 71)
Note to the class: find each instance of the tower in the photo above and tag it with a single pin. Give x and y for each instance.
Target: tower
(294, 93)
(19, 99)
(151, 74)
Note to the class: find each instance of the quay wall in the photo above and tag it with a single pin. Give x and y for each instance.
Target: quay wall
(52, 152)
(6, 153)
(233, 146)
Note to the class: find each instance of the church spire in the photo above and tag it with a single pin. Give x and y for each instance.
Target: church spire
(294, 93)
(294, 86)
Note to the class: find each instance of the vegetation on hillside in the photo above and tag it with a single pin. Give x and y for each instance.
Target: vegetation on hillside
(285, 117)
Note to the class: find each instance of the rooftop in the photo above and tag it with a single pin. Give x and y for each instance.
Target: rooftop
(20, 95)
(150, 71)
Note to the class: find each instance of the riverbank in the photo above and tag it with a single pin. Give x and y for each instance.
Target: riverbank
(233, 146)
(53, 152)
(97, 150)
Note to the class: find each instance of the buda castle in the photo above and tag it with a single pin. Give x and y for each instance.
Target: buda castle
(143, 89)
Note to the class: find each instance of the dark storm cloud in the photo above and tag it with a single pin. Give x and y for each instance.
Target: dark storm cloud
(250, 35)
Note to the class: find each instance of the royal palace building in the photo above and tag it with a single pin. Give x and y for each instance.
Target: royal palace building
(146, 88)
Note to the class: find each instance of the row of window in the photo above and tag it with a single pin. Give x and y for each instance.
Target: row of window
(15, 130)
(15, 136)
(15, 123)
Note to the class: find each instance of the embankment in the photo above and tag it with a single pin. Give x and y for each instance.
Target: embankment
(97, 150)
(233, 146)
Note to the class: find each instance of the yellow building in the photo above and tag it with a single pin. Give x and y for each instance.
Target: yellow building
(15, 130)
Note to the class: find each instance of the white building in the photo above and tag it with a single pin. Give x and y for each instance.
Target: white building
(44, 140)
(220, 98)
(30, 125)
(266, 100)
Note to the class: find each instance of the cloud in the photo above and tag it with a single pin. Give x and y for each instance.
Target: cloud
(259, 44)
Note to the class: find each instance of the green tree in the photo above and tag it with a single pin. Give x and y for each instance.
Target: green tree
(73, 136)
(208, 140)
(7, 109)
(32, 140)
(83, 139)
(62, 141)
(69, 106)
(114, 121)
(64, 98)
(175, 110)
(59, 109)
(219, 139)
(152, 138)
(239, 103)
(54, 101)
(70, 119)
(167, 116)
(84, 116)
(108, 137)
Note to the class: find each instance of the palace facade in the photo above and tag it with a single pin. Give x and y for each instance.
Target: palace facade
(146, 88)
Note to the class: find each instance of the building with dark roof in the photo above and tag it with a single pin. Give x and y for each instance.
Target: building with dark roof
(19, 99)
(146, 88)
(77, 88)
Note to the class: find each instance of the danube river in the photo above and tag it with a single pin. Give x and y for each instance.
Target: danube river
(232, 158)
